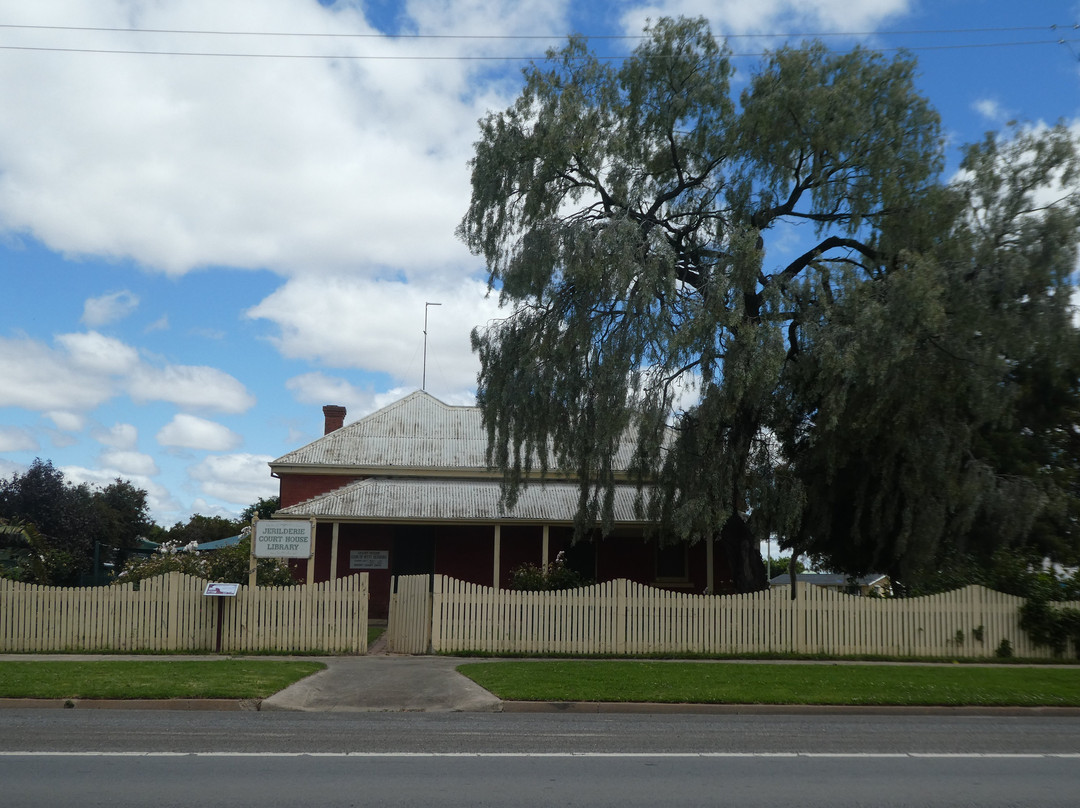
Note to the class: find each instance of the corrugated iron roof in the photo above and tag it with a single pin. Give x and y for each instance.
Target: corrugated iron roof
(417, 432)
(413, 499)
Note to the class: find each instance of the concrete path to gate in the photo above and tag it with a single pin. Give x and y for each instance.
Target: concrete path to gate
(386, 683)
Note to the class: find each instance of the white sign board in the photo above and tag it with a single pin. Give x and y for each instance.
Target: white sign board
(222, 590)
(282, 538)
(369, 559)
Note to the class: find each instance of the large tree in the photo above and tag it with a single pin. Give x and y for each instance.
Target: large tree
(673, 262)
(934, 412)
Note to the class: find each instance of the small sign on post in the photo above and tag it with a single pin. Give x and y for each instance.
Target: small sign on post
(221, 590)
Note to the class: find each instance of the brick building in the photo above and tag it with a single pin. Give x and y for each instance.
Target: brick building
(406, 490)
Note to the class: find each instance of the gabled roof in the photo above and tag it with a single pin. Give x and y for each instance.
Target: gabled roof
(417, 433)
(417, 500)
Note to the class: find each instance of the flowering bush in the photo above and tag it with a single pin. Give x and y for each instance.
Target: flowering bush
(554, 576)
(227, 565)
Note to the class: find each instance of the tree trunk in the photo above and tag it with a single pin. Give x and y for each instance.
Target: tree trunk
(743, 552)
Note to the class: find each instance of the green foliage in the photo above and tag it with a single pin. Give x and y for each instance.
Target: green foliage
(1022, 573)
(554, 576)
(1004, 650)
(901, 386)
(226, 565)
(932, 411)
(69, 520)
(782, 566)
(264, 508)
(26, 556)
(1051, 626)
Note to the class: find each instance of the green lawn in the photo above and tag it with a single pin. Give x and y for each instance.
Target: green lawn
(737, 683)
(151, 679)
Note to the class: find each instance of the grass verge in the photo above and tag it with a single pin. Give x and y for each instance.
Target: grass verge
(151, 679)
(735, 683)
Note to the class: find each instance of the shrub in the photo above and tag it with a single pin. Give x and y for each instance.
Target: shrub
(554, 576)
(227, 565)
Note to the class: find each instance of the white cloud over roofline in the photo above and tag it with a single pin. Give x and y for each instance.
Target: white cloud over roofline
(348, 322)
(239, 479)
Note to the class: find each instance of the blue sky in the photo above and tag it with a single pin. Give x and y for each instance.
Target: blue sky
(197, 251)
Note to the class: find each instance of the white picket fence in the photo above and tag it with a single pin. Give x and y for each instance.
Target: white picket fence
(170, 613)
(622, 617)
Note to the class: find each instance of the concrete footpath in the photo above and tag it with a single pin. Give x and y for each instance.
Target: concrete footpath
(386, 683)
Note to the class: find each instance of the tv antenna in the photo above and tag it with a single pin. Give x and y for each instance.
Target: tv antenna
(423, 381)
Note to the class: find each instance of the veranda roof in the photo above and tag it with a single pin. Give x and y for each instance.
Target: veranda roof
(440, 500)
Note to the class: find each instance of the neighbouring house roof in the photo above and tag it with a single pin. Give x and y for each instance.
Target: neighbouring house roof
(828, 579)
(419, 433)
(387, 499)
(217, 544)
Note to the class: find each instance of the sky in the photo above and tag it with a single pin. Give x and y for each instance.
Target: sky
(217, 217)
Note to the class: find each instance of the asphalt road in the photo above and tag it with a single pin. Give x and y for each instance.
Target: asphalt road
(127, 758)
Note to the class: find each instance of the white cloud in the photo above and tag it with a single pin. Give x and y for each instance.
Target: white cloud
(42, 379)
(160, 324)
(251, 162)
(319, 389)
(240, 479)
(201, 506)
(378, 325)
(17, 440)
(990, 109)
(99, 311)
(88, 369)
(97, 353)
(191, 432)
(118, 436)
(130, 463)
(9, 468)
(190, 386)
(773, 16)
(67, 421)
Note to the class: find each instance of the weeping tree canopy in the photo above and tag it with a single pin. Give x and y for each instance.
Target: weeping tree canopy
(778, 296)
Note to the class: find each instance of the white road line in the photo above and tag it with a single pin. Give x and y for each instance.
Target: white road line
(720, 755)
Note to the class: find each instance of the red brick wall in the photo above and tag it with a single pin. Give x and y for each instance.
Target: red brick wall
(296, 488)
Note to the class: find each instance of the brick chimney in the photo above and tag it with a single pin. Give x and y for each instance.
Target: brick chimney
(334, 416)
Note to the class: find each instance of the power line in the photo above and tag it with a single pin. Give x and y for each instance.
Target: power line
(462, 57)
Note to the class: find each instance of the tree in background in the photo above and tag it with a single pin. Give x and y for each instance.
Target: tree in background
(69, 521)
(264, 508)
(782, 566)
(863, 396)
(199, 529)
